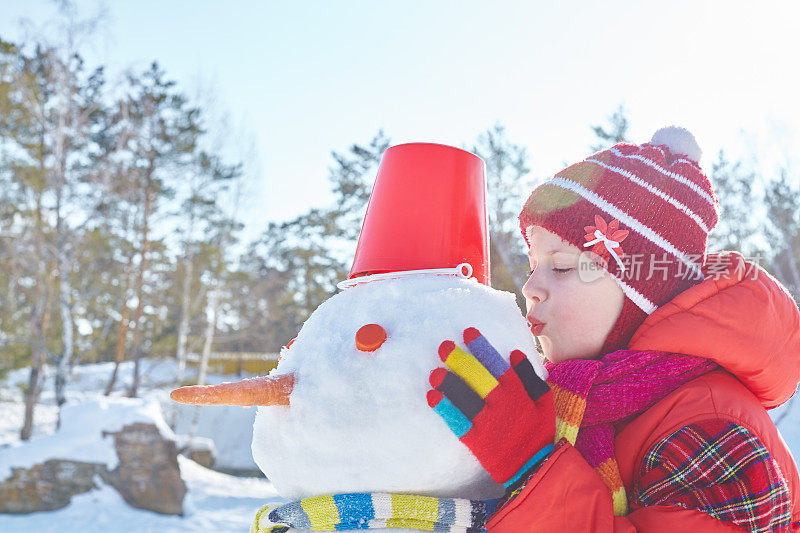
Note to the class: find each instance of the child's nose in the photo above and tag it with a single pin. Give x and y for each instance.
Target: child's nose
(533, 290)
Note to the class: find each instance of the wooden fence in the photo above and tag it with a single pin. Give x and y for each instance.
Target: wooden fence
(237, 363)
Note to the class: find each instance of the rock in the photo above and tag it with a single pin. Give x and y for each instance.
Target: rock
(48, 486)
(201, 450)
(202, 457)
(147, 476)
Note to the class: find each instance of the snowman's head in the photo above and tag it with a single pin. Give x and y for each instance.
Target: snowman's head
(348, 402)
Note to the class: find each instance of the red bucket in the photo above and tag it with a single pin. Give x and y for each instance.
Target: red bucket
(427, 211)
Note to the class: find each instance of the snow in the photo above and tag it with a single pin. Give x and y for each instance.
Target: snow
(81, 435)
(89, 379)
(787, 419)
(11, 419)
(359, 421)
(231, 428)
(214, 502)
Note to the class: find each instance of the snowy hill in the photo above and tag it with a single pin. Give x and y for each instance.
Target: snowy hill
(231, 428)
(214, 501)
(80, 437)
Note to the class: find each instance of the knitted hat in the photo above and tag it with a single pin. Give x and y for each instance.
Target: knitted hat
(646, 210)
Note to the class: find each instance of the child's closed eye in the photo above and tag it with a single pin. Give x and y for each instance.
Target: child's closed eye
(555, 269)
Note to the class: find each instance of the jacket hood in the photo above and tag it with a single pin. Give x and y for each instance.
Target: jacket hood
(740, 317)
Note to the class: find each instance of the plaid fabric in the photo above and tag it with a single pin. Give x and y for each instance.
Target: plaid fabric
(721, 469)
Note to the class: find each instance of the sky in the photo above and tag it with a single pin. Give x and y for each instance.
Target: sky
(296, 80)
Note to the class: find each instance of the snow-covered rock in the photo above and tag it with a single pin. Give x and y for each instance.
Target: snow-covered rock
(85, 433)
(121, 442)
(214, 502)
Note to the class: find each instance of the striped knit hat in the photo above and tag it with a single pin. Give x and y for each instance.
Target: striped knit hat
(646, 210)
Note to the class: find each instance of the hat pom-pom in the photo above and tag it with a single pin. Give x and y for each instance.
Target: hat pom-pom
(679, 141)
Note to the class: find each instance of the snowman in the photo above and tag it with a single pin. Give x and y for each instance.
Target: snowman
(343, 428)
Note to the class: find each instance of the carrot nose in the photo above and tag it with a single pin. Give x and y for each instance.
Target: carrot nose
(263, 390)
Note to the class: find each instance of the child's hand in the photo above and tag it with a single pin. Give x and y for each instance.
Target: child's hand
(504, 414)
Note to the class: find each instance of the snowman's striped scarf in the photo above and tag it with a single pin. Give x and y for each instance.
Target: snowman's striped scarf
(374, 511)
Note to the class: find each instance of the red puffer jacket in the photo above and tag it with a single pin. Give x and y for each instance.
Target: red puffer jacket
(674, 479)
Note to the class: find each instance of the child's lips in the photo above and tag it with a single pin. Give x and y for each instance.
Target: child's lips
(536, 326)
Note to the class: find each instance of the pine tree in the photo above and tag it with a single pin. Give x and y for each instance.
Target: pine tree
(616, 131)
(295, 265)
(158, 132)
(783, 229)
(739, 220)
(208, 178)
(507, 186)
(351, 181)
(50, 101)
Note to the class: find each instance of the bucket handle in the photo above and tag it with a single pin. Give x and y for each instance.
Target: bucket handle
(464, 270)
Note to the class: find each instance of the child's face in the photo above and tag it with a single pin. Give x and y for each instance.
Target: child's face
(577, 315)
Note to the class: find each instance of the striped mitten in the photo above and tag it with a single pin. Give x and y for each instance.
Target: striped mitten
(503, 413)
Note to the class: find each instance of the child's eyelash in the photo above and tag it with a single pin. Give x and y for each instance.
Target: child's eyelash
(556, 270)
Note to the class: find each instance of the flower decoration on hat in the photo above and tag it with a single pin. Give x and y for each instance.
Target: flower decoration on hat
(606, 239)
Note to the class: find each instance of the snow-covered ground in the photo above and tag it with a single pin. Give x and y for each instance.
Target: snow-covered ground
(80, 436)
(231, 428)
(214, 501)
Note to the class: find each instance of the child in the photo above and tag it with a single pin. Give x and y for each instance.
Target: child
(662, 361)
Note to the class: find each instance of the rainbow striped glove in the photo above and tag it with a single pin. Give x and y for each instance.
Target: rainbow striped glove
(503, 413)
